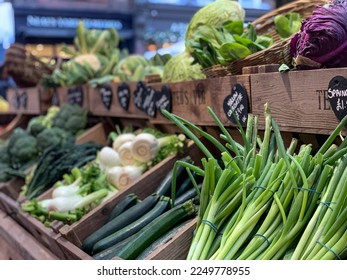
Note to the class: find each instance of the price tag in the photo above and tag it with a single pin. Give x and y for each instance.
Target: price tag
(123, 93)
(55, 97)
(164, 99)
(149, 102)
(139, 95)
(20, 100)
(236, 105)
(75, 95)
(106, 94)
(337, 95)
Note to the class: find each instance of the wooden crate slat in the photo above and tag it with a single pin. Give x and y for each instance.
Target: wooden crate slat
(19, 244)
(298, 99)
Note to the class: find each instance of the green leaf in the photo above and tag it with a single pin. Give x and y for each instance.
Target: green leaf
(283, 68)
(234, 27)
(264, 40)
(287, 25)
(250, 33)
(233, 51)
(243, 41)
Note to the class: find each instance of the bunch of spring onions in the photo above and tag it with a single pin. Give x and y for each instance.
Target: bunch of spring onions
(260, 200)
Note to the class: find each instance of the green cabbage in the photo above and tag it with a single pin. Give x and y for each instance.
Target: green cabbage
(215, 14)
(181, 67)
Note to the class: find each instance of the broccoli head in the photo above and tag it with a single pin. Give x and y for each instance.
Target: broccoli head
(4, 176)
(4, 157)
(71, 118)
(22, 148)
(35, 125)
(53, 137)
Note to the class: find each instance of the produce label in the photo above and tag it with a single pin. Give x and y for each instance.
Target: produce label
(20, 100)
(55, 97)
(75, 95)
(139, 95)
(149, 102)
(123, 93)
(236, 105)
(164, 99)
(106, 94)
(337, 94)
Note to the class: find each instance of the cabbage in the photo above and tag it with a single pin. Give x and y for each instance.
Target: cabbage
(215, 14)
(322, 40)
(181, 67)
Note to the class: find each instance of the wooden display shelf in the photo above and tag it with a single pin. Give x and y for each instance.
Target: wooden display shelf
(30, 101)
(74, 235)
(298, 99)
(17, 244)
(191, 99)
(104, 101)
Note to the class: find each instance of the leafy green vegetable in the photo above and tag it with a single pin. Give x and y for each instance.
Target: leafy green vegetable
(288, 25)
(182, 68)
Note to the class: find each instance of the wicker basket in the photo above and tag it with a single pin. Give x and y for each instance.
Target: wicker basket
(278, 53)
(25, 69)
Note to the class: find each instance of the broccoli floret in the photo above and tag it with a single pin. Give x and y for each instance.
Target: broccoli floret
(35, 128)
(71, 118)
(53, 137)
(22, 148)
(39, 123)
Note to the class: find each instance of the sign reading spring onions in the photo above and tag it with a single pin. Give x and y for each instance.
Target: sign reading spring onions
(235, 105)
(337, 95)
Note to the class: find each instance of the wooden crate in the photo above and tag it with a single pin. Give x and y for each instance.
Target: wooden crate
(298, 99)
(190, 99)
(30, 101)
(44, 236)
(17, 244)
(19, 120)
(74, 95)
(104, 101)
(73, 235)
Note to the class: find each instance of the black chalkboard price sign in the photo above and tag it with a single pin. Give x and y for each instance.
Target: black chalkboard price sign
(139, 95)
(236, 105)
(20, 100)
(337, 95)
(164, 99)
(75, 95)
(149, 102)
(106, 95)
(123, 93)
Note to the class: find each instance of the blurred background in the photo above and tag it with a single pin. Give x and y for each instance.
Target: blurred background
(146, 26)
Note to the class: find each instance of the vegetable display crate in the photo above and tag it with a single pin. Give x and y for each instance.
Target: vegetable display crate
(19, 120)
(73, 235)
(190, 99)
(300, 100)
(116, 100)
(97, 134)
(73, 95)
(17, 244)
(30, 101)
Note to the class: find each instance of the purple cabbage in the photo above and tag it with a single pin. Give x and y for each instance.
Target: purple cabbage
(323, 36)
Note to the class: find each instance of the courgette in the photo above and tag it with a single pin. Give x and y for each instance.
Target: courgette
(161, 240)
(105, 243)
(120, 221)
(111, 252)
(189, 194)
(123, 204)
(165, 184)
(155, 229)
